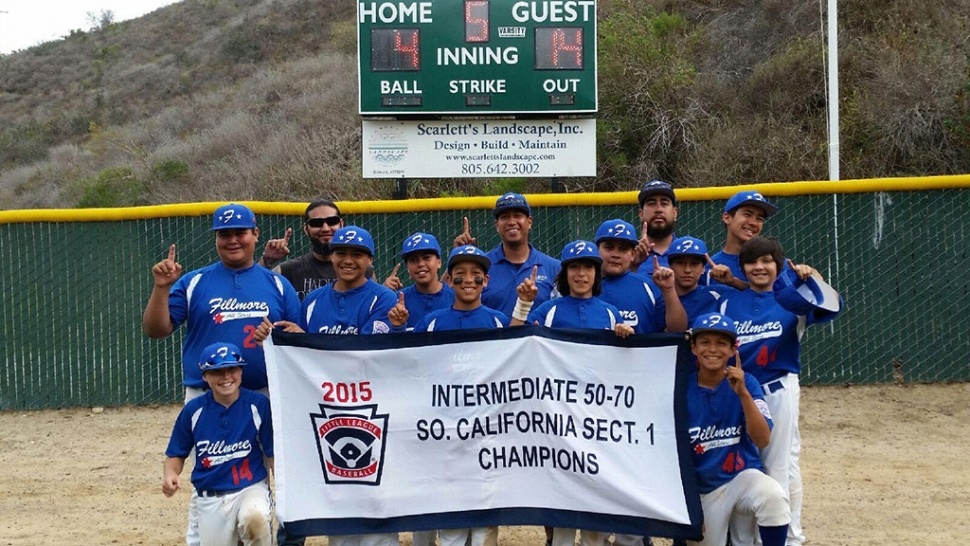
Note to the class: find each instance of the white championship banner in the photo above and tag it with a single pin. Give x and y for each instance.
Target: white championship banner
(521, 426)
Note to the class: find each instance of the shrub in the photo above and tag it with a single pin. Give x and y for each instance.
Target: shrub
(114, 187)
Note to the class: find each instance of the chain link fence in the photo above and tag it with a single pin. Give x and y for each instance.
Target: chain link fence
(74, 291)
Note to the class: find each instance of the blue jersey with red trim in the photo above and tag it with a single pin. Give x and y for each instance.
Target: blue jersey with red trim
(639, 301)
(361, 310)
(420, 304)
(718, 433)
(229, 443)
(504, 277)
(455, 319)
(769, 336)
(222, 304)
(570, 312)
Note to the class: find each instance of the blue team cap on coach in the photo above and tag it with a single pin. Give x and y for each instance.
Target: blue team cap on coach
(469, 253)
(616, 230)
(687, 246)
(656, 187)
(511, 201)
(233, 216)
(751, 198)
(353, 237)
(715, 322)
(418, 242)
(220, 355)
(580, 250)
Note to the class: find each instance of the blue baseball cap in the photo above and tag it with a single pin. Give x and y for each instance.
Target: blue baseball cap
(686, 246)
(617, 230)
(655, 187)
(418, 242)
(715, 322)
(752, 198)
(469, 253)
(233, 216)
(511, 201)
(580, 250)
(353, 237)
(220, 355)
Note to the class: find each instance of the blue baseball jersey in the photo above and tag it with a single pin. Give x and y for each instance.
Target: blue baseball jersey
(222, 304)
(786, 277)
(454, 319)
(229, 443)
(504, 277)
(769, 336)
(419, 304)
(718, 434)
(361, 310)
(703, 299)
(570, 312)
(639, 301)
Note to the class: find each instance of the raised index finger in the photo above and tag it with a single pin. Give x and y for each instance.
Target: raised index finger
(710, 262)
(400, 298)
(656, 263)
(535, 273)
(464, 222)
(289, 233)
(791, 265)
(644, 231)
(171, 253)
(394, 271)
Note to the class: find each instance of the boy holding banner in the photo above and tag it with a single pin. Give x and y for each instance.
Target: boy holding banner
(468, 270)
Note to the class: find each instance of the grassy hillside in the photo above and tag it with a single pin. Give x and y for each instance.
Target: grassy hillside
(256, 99)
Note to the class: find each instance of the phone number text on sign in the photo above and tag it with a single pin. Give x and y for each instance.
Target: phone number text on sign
(492, 148)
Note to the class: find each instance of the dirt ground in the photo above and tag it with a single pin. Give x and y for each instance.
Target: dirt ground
(882, 465)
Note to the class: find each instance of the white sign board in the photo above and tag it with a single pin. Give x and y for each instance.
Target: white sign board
(523, 426)
(479, 148)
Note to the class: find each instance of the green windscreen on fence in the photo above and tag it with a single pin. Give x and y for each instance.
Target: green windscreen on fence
(74, 292)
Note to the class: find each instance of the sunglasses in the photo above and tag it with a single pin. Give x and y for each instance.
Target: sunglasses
(318, 222)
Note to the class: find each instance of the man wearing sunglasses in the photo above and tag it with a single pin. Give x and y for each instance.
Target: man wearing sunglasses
(314, 269)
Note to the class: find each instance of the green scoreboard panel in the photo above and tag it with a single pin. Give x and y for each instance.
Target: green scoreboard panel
(473, 57)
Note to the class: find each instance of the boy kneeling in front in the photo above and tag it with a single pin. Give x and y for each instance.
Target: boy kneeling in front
(229, 429)
(729, 422)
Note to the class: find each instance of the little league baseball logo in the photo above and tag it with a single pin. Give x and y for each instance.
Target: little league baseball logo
(351, 442)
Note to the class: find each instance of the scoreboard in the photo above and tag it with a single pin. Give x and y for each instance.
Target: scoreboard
(476, 57)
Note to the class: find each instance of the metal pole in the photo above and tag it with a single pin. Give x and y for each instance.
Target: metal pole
(833, 90)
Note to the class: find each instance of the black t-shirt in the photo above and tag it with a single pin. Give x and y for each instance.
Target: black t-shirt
(307, 273)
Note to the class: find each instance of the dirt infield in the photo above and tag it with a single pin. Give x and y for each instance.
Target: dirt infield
(882, 465)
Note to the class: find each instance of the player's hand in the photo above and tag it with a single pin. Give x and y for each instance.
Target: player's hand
(167, 271)
(288, 326)
(662, 276)
(277, 249)
(643, 249)
(393, 281)
(804, 271)
(171, 483)
(527, 290)
(735, 375)
(262, 331)
(465, 238)
(398, 315)
(623, 330)
(719, 272)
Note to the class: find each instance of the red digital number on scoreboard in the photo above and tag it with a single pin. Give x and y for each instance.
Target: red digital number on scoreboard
(395, 49)
(559, 48)
(476, 21)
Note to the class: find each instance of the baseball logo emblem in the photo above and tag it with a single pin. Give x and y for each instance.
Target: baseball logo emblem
(415, 240)
(351, 443)
(227, 215)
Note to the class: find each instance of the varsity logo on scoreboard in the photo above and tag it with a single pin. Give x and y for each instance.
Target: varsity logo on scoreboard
(351, 442)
